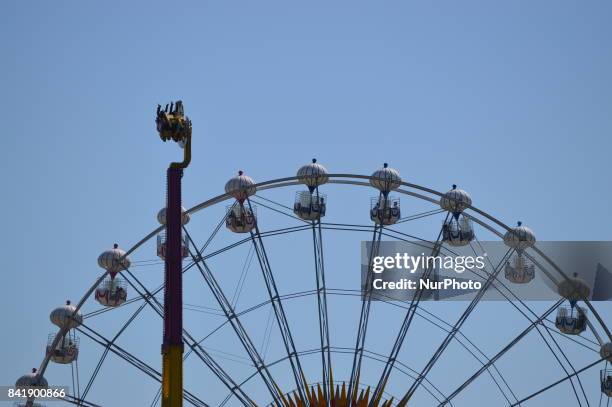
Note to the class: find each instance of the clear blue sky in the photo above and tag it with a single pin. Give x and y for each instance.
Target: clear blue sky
(511, 100)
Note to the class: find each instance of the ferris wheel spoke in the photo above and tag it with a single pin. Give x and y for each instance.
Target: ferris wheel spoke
(420, 215)
(577, 339)
(586, 300)
(225, 400)
(421, 312)
(76, 384)
(403, 331)
(119, 351)
(563, 379)
(131, 359)
(254, 307)
(78, 401)
(563, 367)
(387, 232)
(438, 353)
(279, 312)
(537, 326)
(218, 371)
(427, 316)
(326, 364)
(502, 288)
(364, 316)
(577, 377)
(501, 285)
(476, 352)
(515, 297)
(240, 331)
(189, 266)
(107, 348)
(503, 351)
(434, 391)
(214, 233)
(269, 233)
(140, 297)
(144, 293)
(538, 329)
(288, 208)
(204, 356)
(290, 215)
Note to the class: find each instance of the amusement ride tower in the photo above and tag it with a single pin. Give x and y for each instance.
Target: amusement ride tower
(172, 124)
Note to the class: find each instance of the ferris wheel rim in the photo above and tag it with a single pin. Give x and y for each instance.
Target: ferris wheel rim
(340, 178)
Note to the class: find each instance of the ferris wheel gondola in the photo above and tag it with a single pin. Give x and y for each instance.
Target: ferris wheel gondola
(519, 270)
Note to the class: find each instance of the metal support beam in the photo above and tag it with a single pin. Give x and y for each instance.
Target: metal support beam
(366, 299)
(326, 365)
(500, 353)
(133, 360)
(279, 312)
(241, 333)
(403, 331)
(204, 356)
(451, 334)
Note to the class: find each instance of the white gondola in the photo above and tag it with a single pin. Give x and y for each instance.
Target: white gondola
(66, 317)
(309, 206)
(606, 382)
(571, 320)
(161, 238)
(32, 380)
(519, 237)
(457, 231)
(185, 217)
(455, 201)
(385, 210)
(66, 351)
(112, 292)
(386, 179)
(240, 187)
(312, 175)
(240, 219)
(574, 289)
(23, 404)
(520, 271)
(161, 246)
(114, 260)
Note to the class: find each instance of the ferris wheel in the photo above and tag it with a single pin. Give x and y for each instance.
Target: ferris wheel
(276, 313)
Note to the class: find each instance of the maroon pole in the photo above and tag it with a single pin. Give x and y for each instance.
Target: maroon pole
(173, 125)
(173, 334)
(172, 347)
